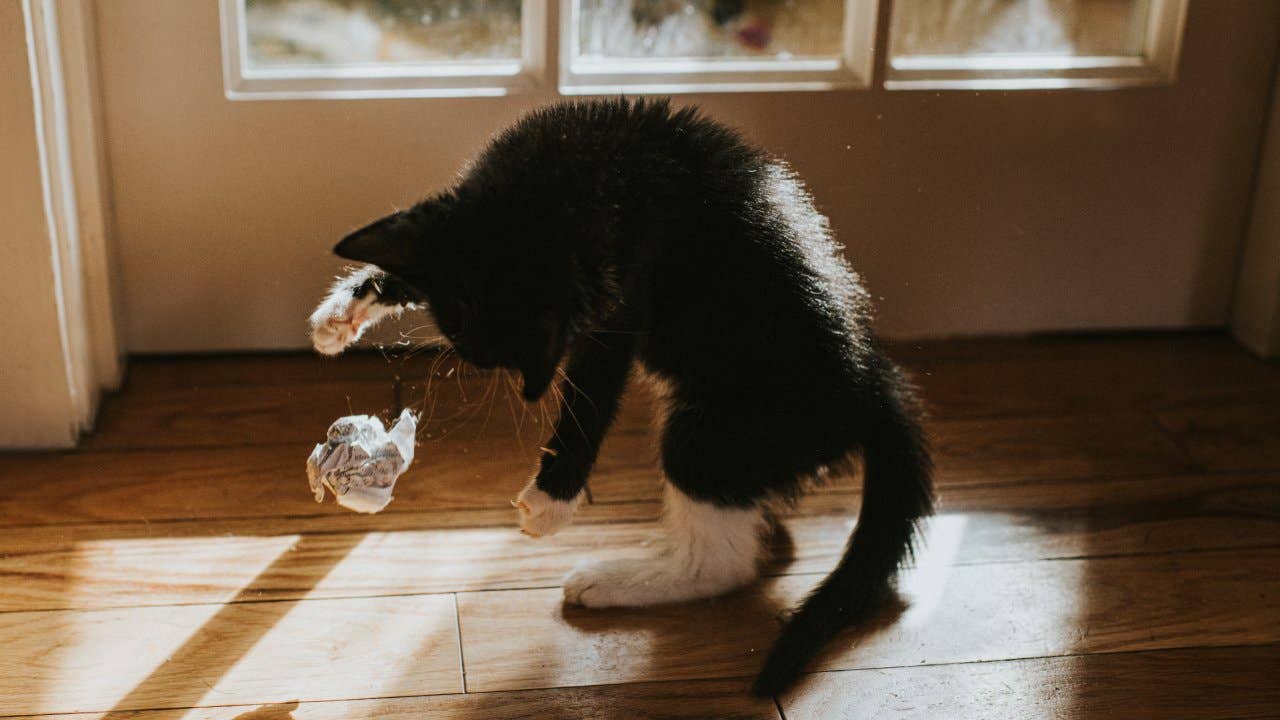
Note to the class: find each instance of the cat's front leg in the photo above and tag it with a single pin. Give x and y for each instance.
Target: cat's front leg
(542, 513)
(355, 303)
(590, 393)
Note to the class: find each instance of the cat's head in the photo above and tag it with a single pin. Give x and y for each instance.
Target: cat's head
(500, 298)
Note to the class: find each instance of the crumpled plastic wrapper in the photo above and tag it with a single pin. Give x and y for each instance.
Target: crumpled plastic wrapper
(361, 460)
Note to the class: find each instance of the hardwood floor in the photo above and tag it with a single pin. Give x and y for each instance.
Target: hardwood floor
(1107, 546)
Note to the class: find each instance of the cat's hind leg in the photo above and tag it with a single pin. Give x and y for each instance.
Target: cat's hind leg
(709, 549)
(723, 463)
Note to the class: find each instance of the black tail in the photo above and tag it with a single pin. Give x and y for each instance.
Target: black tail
(897, 492)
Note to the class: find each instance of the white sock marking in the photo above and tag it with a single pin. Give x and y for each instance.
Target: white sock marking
(341, 319)
(541, 514)
(709, 550)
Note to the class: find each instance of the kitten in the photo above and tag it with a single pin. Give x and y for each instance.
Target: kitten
(611, 234)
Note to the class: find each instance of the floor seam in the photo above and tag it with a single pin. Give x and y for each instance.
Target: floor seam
(462, 655)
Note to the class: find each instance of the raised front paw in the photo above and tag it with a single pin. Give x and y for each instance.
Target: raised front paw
(351, 307)
(541, 514)
(338, 322)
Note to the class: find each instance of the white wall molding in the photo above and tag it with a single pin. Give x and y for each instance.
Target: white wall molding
(1255, 317)
(61, 349)
(92, 178)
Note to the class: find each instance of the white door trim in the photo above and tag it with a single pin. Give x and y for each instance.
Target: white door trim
(1255, 316)
(54, 146)
(88, 160)
(68, 353)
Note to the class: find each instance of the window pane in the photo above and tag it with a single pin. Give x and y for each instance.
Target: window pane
(380, 32)
(1020, 27)
(762, 29)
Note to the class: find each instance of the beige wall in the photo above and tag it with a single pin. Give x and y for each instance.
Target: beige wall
(965, 212)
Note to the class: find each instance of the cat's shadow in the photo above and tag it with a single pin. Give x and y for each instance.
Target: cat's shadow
(723, 637)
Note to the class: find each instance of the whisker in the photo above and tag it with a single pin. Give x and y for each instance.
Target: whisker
(431, 376)
(542, 412)
(458, 379)
(575, 387)
(492, 394)
(434, 369)
(566, 407)
(474, 407)
(515, 421)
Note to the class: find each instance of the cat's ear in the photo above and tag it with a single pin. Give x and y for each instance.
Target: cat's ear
(392, 243)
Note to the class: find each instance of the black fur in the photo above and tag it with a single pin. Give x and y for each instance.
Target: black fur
(611, 233)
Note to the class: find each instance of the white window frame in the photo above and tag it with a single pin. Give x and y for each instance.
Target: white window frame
(335, 82)
(853, 69)
(1157, 64)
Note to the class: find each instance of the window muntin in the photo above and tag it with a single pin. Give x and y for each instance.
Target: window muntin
(424, 48)
(377, 48)
(709, 45)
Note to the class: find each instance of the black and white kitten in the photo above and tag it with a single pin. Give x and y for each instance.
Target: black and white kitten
(613, 235)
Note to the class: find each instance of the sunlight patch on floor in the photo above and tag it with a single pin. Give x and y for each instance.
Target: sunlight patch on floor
(158, 571)
(936, 555)
(93, 659)
(334, 649)
(89, 660)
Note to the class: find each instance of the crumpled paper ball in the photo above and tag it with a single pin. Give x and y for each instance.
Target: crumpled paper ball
(360, 461)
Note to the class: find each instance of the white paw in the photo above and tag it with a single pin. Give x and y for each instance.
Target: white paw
(618, 583)
(341, 319)
(541, 514)
(590, 586)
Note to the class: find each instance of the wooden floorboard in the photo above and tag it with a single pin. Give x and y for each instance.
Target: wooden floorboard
(271, 481)
(86, 567)
(241, 653)
(483, 465)
(951, 614)
(1039, 520)
(150, 373)
(460, 404)
(231, 416)
(723, 700)
(1107, 545)
(960, 378)
(1109, 444)
(1029, 376)
(1238, 436)
(1235, 682)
